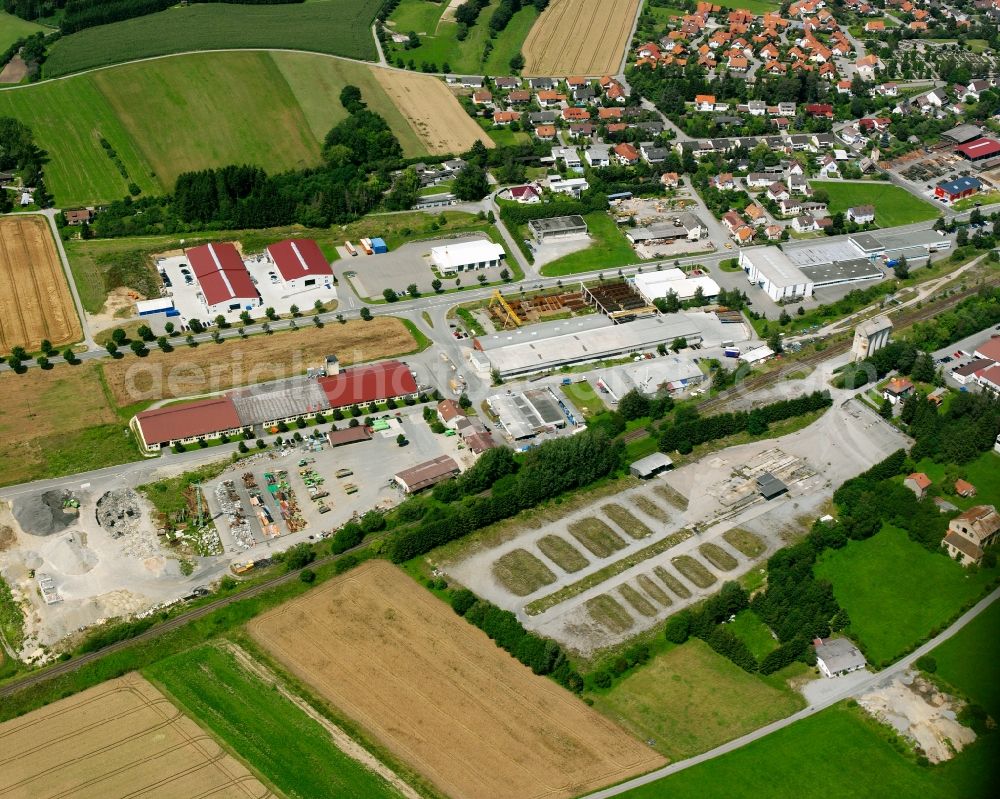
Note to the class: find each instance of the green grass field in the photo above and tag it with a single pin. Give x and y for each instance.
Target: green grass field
(960, 660)
(440, 46)
(896, 592)
(584, 398)
(983, 473)
(13, 28)
(837, 752)
(290, 750)
(893, 205)
(337, 27)
(188, 112)
(690, 699)
(609, 249)
(753, 632)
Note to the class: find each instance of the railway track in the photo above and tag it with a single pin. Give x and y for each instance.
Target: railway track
(906, 318)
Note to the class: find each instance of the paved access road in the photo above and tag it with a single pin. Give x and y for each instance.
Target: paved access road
(852, 688)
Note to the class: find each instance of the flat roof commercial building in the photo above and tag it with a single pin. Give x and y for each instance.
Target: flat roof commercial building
(915, 244)
(225, 283)
(467, 256)
(524, 352)
(657, 285)
(668, 373)
(557, 227)
(424, 475)
(854, 270)
(771, 270)
(526, 414)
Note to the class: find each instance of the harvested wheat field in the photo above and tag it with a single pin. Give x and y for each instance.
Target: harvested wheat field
(209, 367)
(441, 696)
(579, 37)
(35, 302)
(432, 110)
(122, 738)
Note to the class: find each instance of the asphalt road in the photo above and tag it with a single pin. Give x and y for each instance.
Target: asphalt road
(854, 689)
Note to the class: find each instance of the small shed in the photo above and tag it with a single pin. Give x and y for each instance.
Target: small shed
(349, 435)
(769, 486)
(651, 465)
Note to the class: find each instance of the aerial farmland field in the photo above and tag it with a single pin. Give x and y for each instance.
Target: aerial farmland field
(337, 27)
(35, 302)
(440, 122)
(439, 695)
(580, 37)
(121, 738)
(190, 112)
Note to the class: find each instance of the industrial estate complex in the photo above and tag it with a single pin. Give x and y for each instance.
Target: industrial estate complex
(490, 400)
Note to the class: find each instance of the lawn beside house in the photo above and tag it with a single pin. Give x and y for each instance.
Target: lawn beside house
(893, 205)
(896, 592)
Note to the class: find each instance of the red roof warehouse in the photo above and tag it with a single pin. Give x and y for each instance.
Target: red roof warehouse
(363, 384)
(980, 148)
(299, 258)
(221, 274)
(188, 421)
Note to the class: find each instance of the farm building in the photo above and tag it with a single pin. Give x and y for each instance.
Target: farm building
(527, 414)
(558, 227)
(971, 532)
(954, 190)
(226, 287)
(467, 256)
(650, 466)
(78, 216)
(979, 150)
(657, 285)
(185, 424)
(301, 264)
(771, 270)
(837, 656)
(424, 475)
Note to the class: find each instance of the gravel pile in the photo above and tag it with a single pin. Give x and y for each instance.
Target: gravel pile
(44, 514)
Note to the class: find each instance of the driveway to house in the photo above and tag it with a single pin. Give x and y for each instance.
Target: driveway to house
(843, 688)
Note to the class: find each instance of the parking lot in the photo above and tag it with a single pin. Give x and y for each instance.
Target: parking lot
(407, 265)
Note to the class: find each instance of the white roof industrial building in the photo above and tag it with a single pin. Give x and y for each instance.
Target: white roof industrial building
(545, 346)
(668, 373)
(465, 256)
(657, 285)
(526, 414)
(770, 269)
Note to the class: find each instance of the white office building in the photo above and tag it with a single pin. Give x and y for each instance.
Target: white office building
(467, 256)
(657, 285)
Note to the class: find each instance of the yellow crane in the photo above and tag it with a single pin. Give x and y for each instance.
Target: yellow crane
(509, 316)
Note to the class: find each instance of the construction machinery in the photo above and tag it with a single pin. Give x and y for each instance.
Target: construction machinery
(501, 309)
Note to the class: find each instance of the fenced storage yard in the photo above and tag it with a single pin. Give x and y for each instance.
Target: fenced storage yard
(440, 695)
(35, 302)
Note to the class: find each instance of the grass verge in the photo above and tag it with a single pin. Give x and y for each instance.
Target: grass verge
(562, 553)
(693, 570)
(608, 612)
(627, 520)
(596, 536)
(522, 573)
(718, 557)
(744, 542)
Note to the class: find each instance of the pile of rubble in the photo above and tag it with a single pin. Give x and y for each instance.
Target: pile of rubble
(232, 506)
(118, 512)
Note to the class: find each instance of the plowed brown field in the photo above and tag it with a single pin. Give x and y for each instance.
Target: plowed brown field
(35, 302)
(432, 111)
(579, 37)
(122, 738)
(441, 696)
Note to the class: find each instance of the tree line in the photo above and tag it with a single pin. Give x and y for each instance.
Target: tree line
(19, 153)
(690, 430)
(542, 655)
(81, 14)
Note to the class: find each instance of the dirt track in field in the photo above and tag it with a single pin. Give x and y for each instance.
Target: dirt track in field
(441, 696)
(432, 111)
(122, 738)
(35, 302)
(209, 367)
(579, 37)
